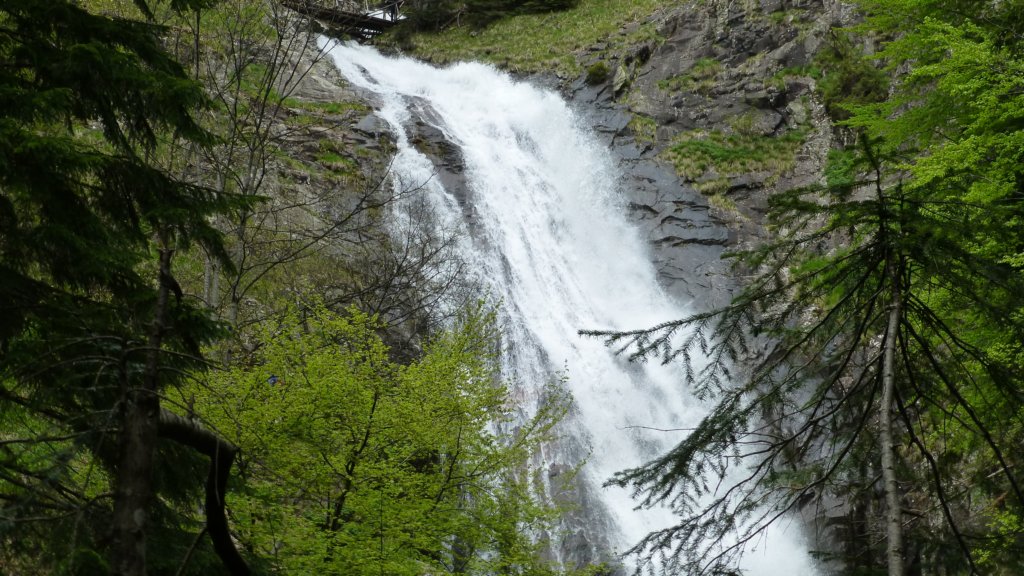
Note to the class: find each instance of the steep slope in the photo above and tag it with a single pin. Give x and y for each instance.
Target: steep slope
(724, 99)
(710, 105)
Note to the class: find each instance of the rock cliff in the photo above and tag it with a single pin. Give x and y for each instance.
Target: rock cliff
(708, 120)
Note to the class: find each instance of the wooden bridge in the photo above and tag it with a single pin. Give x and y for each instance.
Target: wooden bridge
(346, 17)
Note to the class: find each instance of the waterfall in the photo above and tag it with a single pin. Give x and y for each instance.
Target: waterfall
(545, 231)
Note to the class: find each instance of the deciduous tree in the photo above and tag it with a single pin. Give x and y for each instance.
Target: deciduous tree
(357, 464)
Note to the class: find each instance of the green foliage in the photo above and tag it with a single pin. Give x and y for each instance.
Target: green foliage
(700, 78)
(695, 153)
(723, 203)
(93, 326)
(841, 171)
(787, 16)
(544, 42)
(953, 123)
(357, 464)
(439, 14)
(920, 220)
(597, 73)
(817, 389)
(847, 77)
(100, 245)
(644, 128)
(778, 79)
(335, 108)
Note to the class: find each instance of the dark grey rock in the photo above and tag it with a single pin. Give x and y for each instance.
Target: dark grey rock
(370, 125)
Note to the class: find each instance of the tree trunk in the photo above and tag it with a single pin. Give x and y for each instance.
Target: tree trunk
(140, 415)
(211, 283)
(234, 296)
(893, 520)
(134, 484)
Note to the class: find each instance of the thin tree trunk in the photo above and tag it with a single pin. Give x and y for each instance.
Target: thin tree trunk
(211, 283)
(234, 297)
(894, 519)
(140, 416)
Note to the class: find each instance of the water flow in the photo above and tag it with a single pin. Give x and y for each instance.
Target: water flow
(550, 239)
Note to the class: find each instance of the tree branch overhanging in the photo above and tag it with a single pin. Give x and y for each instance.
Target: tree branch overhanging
(222, 455)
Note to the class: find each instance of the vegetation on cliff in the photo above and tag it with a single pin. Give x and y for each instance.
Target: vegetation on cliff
(544, 41)
(434, 15)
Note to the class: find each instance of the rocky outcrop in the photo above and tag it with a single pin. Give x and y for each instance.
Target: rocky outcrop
(708, 121)
(686, 240)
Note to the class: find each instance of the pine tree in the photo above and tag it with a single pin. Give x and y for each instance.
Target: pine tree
(93, 326)
(890, 311)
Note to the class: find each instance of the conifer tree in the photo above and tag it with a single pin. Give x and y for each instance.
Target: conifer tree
(93, 325)
(886, 320)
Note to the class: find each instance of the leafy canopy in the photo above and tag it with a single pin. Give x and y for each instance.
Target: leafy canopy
(358, 464)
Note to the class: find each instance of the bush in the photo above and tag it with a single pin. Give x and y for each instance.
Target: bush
(597, 73)
(848, 77)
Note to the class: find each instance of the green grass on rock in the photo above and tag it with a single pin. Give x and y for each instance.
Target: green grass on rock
(540, 42)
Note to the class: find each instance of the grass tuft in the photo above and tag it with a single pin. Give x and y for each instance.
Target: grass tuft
(698, 79)
(695, 153)
(644, 128)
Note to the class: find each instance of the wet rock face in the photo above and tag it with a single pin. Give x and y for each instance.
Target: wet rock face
(731, 74)
(710, 121)
(686, 240)
(313, 122)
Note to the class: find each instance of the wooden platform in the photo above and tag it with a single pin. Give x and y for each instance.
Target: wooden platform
(360, 25)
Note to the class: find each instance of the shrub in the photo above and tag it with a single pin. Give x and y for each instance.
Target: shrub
(597, 73)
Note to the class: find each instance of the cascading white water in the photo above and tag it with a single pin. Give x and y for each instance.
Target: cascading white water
(550, 239)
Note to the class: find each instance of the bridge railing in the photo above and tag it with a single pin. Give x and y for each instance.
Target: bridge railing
(364, 19)
(388, 9)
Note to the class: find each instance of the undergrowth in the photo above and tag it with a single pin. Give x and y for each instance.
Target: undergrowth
(695, 153)
(698, 79)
